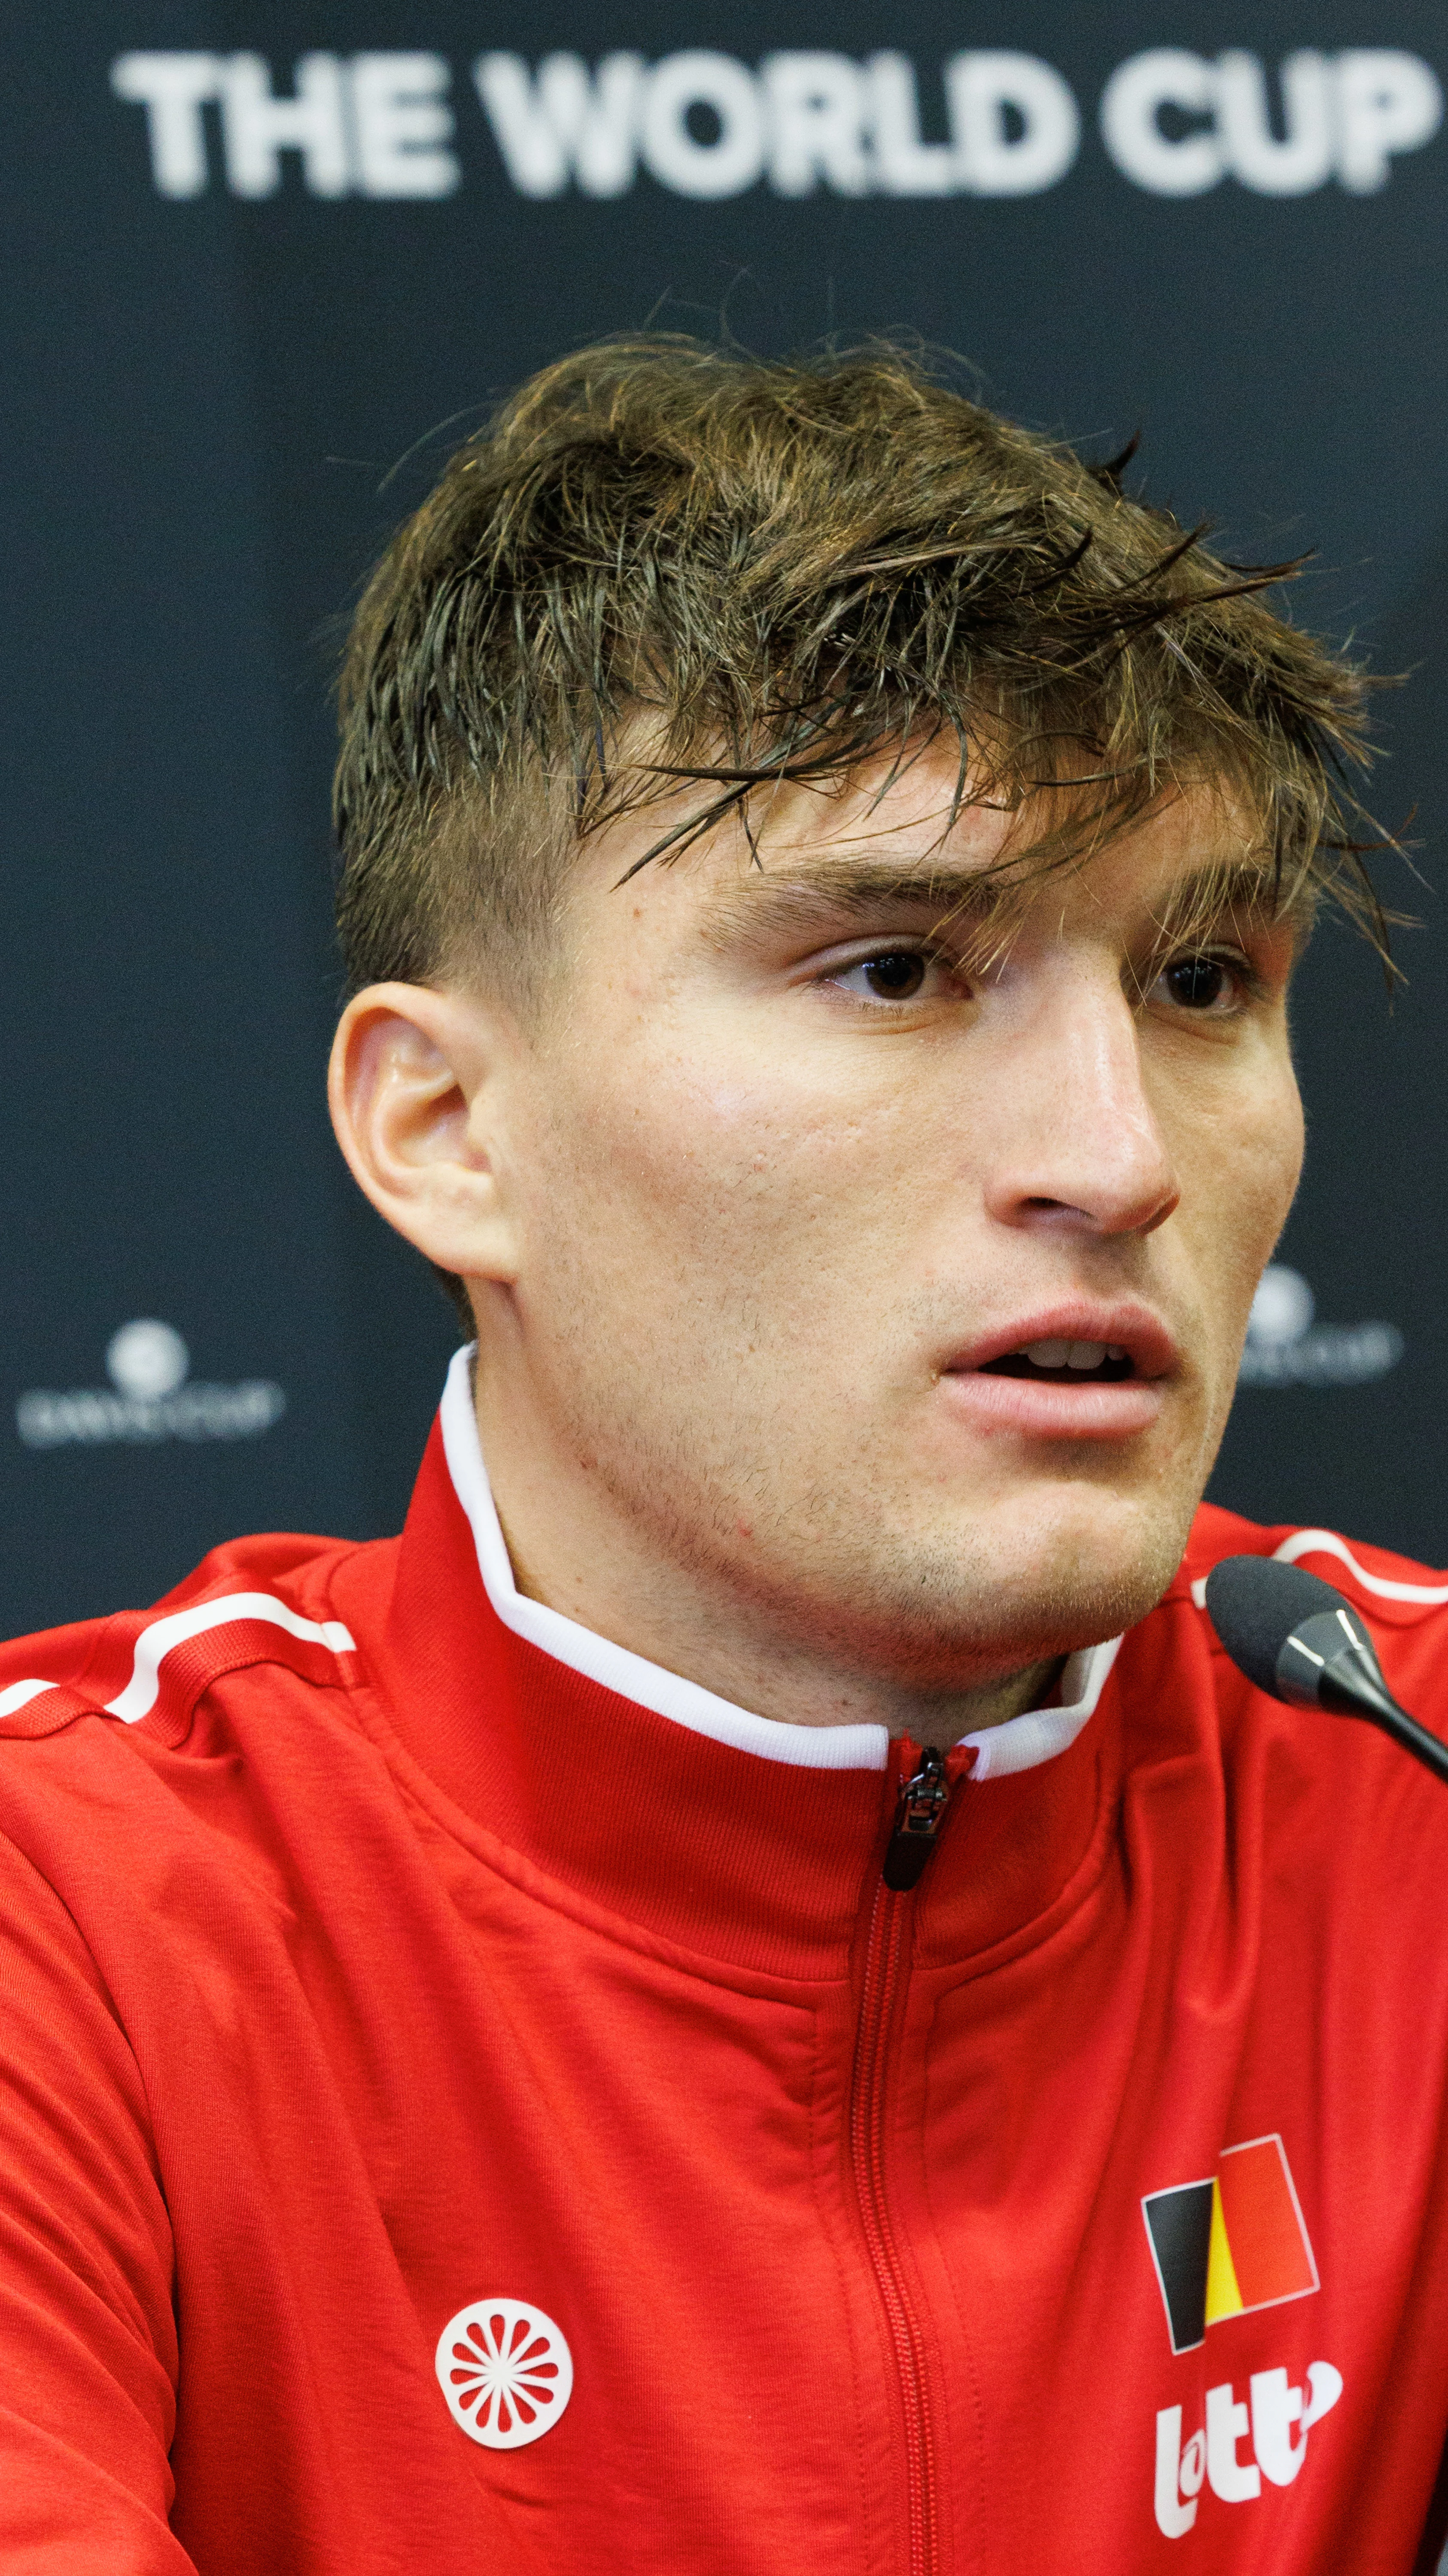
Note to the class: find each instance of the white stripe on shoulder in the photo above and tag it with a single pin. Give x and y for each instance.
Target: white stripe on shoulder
(1318, 1542)
(1321, 1542)
(155, 1643)
(17, 1693)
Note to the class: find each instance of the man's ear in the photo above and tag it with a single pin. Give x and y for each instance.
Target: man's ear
(414, 1086)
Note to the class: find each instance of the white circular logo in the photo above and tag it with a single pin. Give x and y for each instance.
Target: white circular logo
(147, 1359)
(506, 2372)
(1283, 1306)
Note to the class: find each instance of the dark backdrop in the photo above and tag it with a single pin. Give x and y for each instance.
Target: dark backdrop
(218, 402)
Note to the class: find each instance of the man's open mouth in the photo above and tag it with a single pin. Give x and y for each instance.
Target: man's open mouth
(1065, 1363)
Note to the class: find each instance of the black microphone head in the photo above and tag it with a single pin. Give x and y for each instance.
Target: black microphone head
(1255, 1603)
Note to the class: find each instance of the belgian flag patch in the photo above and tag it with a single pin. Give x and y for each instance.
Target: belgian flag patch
(1230, 2244)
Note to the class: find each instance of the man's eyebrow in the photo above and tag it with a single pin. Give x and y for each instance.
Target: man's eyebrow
(1224, 890)
(856, 888)
(985, 899)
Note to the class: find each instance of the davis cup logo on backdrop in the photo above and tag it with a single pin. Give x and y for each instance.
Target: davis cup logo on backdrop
(985, 123)
(151, 1397)
(1286, 1348)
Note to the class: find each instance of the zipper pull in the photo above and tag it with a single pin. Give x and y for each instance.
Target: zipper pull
(918, 1818)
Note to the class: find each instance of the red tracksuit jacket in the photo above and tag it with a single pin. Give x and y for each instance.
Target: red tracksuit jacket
(467, 2101)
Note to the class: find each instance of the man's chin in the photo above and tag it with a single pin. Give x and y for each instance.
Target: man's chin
(1054, 1618)
(1069, 1587)
(1034, 1588)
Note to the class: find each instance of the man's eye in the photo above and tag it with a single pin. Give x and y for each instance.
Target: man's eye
(895, 975)
(1199, 984)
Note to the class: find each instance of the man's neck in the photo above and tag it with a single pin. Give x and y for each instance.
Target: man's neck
(574, 1549)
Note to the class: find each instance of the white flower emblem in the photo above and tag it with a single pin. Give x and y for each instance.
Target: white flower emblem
(506, 2372)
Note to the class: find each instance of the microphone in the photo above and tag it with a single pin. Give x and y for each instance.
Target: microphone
(1297, 1639)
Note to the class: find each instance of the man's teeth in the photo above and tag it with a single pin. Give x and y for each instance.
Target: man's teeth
(1074, 1355)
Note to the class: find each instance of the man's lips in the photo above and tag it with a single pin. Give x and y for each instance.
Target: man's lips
(1126, 1325)
(1057, 1402)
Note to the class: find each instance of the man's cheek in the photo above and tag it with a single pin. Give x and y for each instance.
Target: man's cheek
(1268, 1184)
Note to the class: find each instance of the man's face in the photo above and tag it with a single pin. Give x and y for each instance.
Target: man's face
(902, 1302)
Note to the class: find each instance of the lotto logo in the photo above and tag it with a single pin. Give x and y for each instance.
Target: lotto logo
(1229, 2244)
(1276, 2421)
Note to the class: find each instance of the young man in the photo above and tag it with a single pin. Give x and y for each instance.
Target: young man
(822, 876)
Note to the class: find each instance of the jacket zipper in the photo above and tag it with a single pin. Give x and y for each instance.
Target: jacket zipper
(919, 1815)
(921, 1806)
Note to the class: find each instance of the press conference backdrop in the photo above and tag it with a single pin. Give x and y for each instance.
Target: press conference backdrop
(265, 264)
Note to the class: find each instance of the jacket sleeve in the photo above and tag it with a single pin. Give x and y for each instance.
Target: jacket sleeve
(88, 2360)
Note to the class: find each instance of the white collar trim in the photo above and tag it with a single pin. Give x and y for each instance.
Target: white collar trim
(1018, 1745)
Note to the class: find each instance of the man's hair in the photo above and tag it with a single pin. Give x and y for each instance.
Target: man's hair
(663, 562)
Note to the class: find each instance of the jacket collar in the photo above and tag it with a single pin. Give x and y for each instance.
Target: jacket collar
(1019, 1745)
(695, 1821)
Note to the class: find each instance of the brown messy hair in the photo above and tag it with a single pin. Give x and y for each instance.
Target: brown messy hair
(786, 569)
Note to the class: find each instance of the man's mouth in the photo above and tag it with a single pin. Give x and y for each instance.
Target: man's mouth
(1064, 1380)
(1077, 1343)
(1062, 1363)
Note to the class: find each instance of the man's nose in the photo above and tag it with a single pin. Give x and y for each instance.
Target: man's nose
(1080, 1144)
